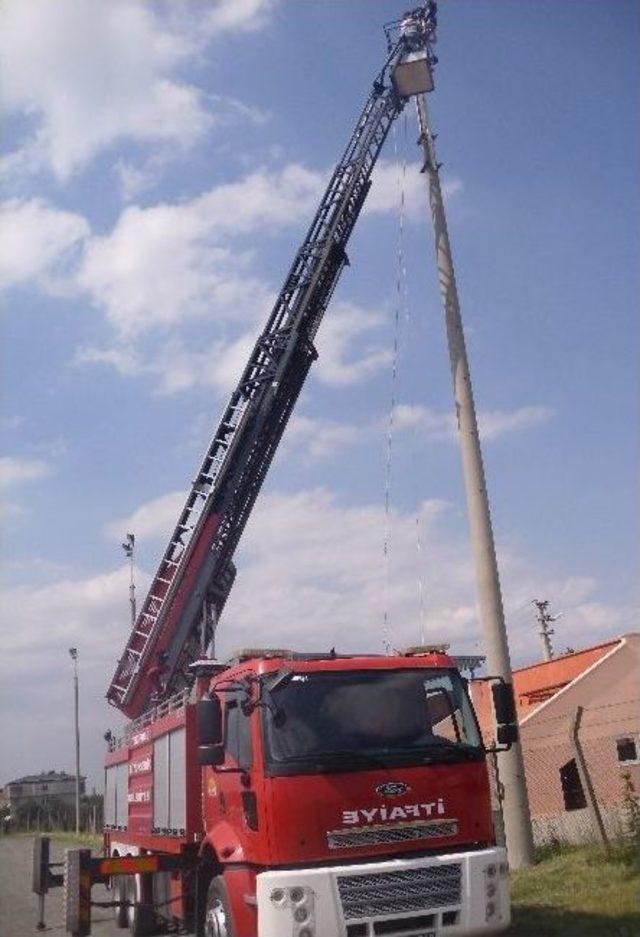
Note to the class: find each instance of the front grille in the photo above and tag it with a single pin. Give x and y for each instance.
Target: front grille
(400, 833)
(436, 886)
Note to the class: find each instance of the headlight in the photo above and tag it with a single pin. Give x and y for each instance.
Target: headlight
(296, 895)
(491, 909)
(491, 890)
(278, 895)
(300, 915)
(491, 871)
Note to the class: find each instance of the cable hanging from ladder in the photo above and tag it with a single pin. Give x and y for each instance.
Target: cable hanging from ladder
(400, 294)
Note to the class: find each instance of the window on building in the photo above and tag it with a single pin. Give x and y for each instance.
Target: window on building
(628, 749)
(572, 790)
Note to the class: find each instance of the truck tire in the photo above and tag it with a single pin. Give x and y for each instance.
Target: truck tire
(140, 914)
(217, 918)
(120, 912)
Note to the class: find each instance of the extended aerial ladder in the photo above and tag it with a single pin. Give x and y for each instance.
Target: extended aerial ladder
(179, 615)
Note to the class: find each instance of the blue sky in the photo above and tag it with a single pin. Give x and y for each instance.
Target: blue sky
(163, 161)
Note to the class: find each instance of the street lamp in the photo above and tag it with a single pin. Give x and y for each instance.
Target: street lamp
(73, 654)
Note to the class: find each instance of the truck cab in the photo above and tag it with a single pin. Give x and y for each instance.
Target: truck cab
(346, 796)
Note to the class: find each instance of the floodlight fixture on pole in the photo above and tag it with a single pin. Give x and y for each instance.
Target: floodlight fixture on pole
(128, 547)
(517, 817)
(73, 654)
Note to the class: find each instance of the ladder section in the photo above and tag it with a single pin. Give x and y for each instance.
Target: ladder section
(198, 560)
(145, 631)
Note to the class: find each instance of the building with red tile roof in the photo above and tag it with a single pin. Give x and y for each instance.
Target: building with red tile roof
(603, 681)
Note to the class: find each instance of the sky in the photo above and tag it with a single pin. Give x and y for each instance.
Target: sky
(162, 161)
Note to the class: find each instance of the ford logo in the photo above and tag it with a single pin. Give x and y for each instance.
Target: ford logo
(392, 789)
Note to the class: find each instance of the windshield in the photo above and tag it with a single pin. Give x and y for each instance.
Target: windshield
(385, 717)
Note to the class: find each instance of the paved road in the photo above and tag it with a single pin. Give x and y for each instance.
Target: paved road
(18, 904)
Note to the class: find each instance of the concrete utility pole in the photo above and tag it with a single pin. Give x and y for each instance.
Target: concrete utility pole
(545, 620)
(73, 653)
(517, 818)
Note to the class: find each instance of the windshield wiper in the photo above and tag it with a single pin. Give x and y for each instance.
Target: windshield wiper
(448, 748)
(331, 754)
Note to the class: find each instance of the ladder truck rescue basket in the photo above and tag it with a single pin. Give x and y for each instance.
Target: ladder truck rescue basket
(413, 75)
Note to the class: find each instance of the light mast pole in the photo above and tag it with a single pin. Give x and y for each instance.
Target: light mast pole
(517, 818)
(73, 654)
(128, 547)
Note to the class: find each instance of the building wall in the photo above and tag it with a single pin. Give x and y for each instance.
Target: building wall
(62, 789)
(607, 686)
(608, 693)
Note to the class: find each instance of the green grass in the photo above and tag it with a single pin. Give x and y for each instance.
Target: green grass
(578, 892)
(87, 840)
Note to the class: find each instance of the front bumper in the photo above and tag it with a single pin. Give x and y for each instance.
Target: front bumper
(435, 896)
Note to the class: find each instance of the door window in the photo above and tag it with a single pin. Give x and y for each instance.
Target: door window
(238, 735)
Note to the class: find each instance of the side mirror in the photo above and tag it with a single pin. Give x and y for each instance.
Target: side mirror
(209, 722)
(504, 706)
(503, 703)
(210, 754)
(507, 734)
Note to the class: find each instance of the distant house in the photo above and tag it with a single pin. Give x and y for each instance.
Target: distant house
(605, 681)
(46, 785)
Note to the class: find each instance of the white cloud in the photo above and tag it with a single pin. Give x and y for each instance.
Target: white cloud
(153, 519)
(334, 578)
(492, 424)
(40, 623)
(337, 364)
(389, 180)
(36, 240)
(91, 73)
(319, 438)
(177, 366)
(245, 15)
(329, 591)
(496, 423)
(67, 611)
(162, 265)
(15, 471)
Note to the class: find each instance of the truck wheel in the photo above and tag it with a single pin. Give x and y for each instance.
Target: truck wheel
(217, 918)
(140, 916)
(120, 914)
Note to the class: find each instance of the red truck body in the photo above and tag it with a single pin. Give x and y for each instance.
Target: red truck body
(241, 824)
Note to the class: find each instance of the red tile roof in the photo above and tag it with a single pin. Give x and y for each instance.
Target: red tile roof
(538, 682)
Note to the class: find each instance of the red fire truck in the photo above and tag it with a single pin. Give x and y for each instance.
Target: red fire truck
(284, 794)
(309, 795)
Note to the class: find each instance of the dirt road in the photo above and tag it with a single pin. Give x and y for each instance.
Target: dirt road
(18, 904)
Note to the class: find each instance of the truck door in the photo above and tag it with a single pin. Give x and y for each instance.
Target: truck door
(237, 800)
